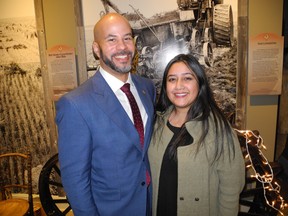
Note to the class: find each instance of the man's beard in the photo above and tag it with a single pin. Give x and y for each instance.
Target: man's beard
(109, 63)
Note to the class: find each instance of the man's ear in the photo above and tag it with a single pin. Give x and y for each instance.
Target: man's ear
(96, 50)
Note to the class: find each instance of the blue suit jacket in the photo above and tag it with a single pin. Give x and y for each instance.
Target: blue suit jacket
(103, 167)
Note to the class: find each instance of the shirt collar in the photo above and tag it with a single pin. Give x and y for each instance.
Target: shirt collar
(114, 83)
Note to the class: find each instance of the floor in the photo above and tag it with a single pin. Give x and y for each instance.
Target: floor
(40, 211)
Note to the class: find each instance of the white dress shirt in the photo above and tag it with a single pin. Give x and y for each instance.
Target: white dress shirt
(115, 84)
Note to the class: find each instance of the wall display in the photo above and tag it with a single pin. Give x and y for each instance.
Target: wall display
(18, 37)
(207, 29)
(62, 66)
(265, 64)
(23, 123)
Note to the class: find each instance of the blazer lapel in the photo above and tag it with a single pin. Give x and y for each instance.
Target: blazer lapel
(108, 102)
(149, 107)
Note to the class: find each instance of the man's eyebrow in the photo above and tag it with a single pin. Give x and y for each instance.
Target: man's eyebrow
(112, 35)
(128, 34)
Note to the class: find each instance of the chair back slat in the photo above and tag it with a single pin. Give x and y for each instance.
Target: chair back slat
(16, 176)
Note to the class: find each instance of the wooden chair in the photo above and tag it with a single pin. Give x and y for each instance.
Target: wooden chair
(16, 178)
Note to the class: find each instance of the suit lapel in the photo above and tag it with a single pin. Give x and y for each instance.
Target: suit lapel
(108, 102)
(148, 105)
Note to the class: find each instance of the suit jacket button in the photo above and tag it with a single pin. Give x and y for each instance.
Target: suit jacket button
(143, 183)
(181, 198)
(197, 199)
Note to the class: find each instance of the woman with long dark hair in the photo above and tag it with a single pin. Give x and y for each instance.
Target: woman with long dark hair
(196, 162)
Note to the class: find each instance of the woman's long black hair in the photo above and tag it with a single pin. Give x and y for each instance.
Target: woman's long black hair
(203, 106)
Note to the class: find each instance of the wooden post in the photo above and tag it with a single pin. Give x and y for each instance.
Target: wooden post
(49, 104)
(242, 64)
(81, 50)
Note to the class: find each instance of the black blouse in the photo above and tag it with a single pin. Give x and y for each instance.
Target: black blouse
(167, 193)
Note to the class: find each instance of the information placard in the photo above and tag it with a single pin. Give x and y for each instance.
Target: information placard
(62, 69)
(265, 64)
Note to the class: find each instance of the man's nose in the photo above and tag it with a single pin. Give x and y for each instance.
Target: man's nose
(121, 44)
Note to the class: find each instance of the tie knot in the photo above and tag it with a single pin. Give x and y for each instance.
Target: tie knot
(125, 88)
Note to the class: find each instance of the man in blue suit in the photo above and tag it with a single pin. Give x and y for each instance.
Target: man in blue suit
(104, 169)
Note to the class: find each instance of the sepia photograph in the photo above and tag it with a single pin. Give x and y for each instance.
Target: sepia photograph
(205, 29)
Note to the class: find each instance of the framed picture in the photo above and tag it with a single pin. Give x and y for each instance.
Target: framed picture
(207, 29)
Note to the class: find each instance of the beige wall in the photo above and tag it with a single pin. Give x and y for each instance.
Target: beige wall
(59, 19)
(264, 16)
(63, 25)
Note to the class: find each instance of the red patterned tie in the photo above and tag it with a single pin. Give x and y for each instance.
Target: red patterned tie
(136, 118)
(135, 111)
